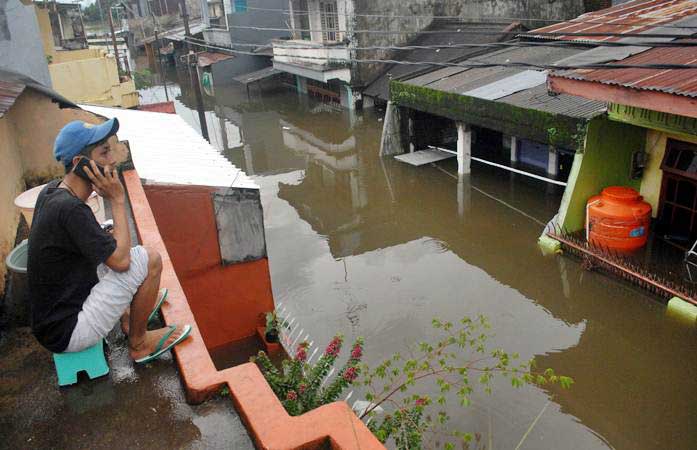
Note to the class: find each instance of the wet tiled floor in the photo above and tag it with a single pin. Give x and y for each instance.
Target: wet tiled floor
(132, 407)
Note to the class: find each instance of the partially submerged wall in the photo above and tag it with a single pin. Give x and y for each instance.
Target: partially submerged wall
(605, 161)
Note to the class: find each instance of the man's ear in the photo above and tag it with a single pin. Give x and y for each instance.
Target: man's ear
(76, 159)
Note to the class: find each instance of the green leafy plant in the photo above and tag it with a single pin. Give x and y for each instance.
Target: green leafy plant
(143, 78)
(299, 384)
(456, 363)
(274, 323)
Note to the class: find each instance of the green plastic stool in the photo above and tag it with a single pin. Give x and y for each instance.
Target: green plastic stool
(91, 360)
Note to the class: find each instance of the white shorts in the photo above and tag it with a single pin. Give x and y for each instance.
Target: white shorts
(108, 300)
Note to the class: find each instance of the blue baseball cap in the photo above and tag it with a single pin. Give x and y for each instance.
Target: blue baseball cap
(77, 135)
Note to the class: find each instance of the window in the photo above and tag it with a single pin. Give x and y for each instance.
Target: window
(677, 212)
(216, 14)
(330, 21)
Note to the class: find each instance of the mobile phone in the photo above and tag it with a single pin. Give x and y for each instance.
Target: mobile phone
(80, 168)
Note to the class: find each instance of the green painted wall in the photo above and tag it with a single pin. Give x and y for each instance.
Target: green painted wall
(555, 129)
(605, 161)
(670, 123)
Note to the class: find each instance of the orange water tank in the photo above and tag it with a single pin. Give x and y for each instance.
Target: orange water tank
(618, 219)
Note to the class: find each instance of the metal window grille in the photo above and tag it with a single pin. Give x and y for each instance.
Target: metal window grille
(330, 21)
(678, 206)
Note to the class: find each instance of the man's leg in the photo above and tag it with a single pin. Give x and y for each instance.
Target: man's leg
(141, 341)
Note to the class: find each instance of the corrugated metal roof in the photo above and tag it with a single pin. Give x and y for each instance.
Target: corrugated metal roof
(678, 17)
(468, 80)
(540, 99)
(205, 59)
(677, 81)
(515, 83)
(12, 84)
(9, 92)
(638, 16)
(165, 149)
(449, 34)
(257, 75)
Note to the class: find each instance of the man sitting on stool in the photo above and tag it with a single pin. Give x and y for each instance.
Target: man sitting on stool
(82, 279)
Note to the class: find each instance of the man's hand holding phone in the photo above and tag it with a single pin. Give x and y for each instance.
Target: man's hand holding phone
(107, 184)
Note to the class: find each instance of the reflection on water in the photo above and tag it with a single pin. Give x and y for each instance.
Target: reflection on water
(370, 246)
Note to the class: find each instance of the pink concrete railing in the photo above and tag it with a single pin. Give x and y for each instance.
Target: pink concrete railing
(267, 422)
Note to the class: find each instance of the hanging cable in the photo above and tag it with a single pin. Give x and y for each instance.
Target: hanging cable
(460, 31)
(295, 45)
(468, 66)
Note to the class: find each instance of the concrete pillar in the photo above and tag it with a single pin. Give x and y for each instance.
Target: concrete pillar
(347, 97)
(301, 84)
(464, 148)
(410, 133)
(393, 141)
(249, 159)
(464, 195)
(514, 149)
(552, 162)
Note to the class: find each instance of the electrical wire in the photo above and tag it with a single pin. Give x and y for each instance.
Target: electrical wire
(521, 65)
(485, 18)
(533, 34)
(296, 46)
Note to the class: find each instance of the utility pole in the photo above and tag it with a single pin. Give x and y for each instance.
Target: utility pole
(160, 71)
(113, 41)
(194, 73)
(163, 75)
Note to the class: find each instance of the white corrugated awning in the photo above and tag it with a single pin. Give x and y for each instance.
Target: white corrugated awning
(510, 85)
(165, 149)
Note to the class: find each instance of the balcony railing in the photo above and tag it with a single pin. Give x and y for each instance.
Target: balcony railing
(310, 53)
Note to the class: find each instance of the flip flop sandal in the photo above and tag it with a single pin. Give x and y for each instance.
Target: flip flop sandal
(159, 349)
(161, 297)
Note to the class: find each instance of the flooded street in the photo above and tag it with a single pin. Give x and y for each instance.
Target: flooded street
(369, 246)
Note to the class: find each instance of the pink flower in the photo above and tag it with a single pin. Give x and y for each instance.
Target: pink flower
(334, 347)
(301, 351)
(350, 374)
(357, 352)
(420, 401)
(292, 395)
(301, 389)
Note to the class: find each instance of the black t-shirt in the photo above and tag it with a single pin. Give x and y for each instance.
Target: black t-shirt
(66, 244)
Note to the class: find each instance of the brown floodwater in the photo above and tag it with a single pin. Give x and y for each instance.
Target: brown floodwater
(370, 246)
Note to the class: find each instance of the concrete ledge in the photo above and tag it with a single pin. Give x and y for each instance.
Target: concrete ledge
(270, 426)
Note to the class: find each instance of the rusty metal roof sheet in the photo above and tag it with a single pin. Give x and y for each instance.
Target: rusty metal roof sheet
(205, 59)
(637, 16)
(674, 81)
(9, 91)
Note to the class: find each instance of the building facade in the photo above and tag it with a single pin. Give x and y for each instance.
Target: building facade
(77, 72)
(21, 48)
(247, 27)
(332, 52)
